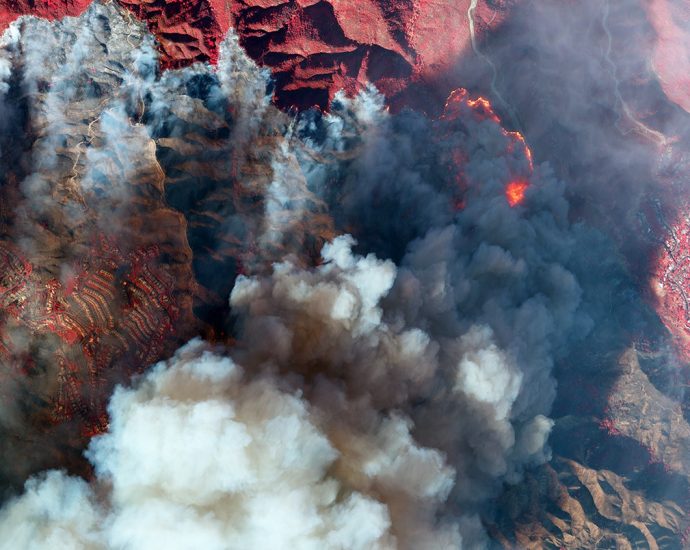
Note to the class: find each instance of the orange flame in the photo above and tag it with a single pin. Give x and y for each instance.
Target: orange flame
(480, 105)
(515, 192)
(482, 108)
(517, 136)
(458, 105)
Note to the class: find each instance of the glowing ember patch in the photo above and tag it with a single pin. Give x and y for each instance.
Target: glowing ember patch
(515, 192)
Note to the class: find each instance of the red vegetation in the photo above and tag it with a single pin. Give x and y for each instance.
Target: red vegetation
(116, 306)
(187, 31)
(671, 281)
(313, 47)
(609, 426)
(316, 47)
(671, 54)
(48, 9)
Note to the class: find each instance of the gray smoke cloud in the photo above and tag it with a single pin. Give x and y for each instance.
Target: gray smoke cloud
(489, 278)
(586, 85)
(605, 124)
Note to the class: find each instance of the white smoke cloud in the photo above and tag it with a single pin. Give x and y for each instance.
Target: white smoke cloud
(199, 455)
(485, 373)
(245, 85)
(8, 40)
(55, 511)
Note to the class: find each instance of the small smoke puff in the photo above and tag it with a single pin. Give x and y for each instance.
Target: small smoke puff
(486, 373)
(244, 84)
(145, 61)
(5, 73)
(55, 511)
(532, 438)
(368, 106)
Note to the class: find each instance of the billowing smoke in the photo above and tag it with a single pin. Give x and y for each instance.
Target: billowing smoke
(374, 392)
(314, 445)
(200, 455)
(592, 86)
(490, 285)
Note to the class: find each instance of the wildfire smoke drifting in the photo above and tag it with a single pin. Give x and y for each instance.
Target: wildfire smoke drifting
(326, 329)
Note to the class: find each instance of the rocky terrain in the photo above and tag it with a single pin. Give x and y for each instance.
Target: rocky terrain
(567, 505)
(620, 480)
(319, 47)
(313, 48)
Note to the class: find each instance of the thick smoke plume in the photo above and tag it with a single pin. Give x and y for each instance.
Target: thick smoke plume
(319, 430)
(606, 123)
(198, 455)
(377, 397)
